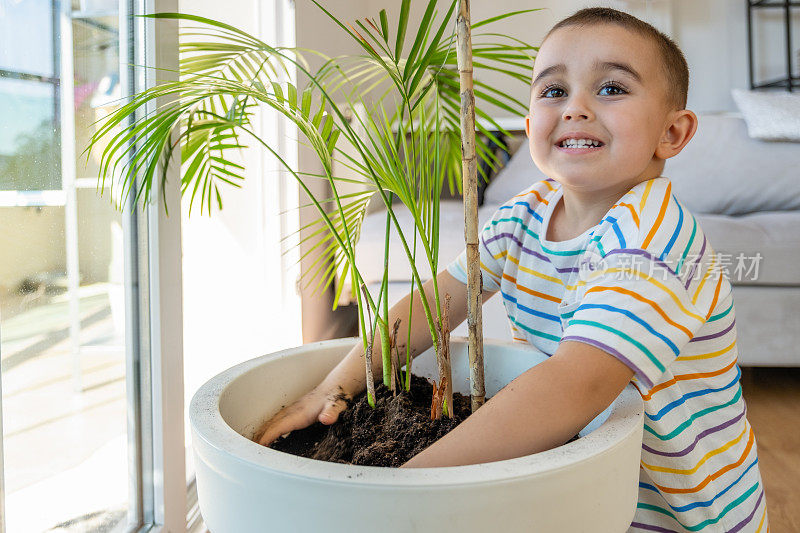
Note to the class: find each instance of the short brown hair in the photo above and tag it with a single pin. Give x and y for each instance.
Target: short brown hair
(675, 68)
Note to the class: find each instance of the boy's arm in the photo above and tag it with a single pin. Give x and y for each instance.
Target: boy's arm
(348, 378)
(540, 409)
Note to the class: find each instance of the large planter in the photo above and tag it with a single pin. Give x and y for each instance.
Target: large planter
(590, 484)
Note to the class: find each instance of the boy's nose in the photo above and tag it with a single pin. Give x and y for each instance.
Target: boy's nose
(573, 114)
(576, 110)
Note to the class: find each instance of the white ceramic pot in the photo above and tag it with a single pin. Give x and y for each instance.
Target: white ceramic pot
(590, 484)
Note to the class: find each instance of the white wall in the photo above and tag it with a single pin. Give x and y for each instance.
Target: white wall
(315, 30)
(712, 34)
(234, 276)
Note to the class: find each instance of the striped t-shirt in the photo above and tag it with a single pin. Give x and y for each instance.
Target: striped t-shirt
(645, 286)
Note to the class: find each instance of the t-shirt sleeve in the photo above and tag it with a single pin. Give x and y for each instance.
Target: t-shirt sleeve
(636, 308)
(492, 252)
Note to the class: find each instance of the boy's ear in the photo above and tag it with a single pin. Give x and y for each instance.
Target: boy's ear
(678, 133)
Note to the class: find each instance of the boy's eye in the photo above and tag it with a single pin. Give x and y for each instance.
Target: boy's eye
(552, 91)
(611, 89)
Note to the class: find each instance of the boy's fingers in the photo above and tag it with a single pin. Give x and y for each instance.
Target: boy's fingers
(330, 413)
(267, 437)
(273, 431)
(301, 415)
(276, 427)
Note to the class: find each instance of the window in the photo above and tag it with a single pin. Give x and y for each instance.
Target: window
(29, 103)
(92, 427)
(87, 440)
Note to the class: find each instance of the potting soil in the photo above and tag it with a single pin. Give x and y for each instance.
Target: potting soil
(390, 434)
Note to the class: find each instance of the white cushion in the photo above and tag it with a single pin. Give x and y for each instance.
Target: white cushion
(770, 116)
(720, 171)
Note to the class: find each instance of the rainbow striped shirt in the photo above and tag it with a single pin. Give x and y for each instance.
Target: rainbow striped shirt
(646, 286)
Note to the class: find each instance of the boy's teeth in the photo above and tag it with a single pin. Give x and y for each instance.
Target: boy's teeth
(580, 143)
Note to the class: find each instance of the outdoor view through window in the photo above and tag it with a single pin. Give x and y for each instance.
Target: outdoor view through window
(62, 321)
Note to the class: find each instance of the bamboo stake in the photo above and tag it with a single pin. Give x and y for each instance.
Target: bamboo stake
(469, 170)
(395, 358)
(443, 391)
(444, 358)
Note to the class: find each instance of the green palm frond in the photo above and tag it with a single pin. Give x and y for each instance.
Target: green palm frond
(431, 67)
(405, 146)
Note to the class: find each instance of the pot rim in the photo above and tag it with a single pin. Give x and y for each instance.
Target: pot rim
(212, 434)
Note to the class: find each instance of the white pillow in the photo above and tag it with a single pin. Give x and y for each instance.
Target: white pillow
(770, 116)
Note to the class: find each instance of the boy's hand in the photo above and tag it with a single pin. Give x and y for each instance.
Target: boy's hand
(347, 380)
(323, 403)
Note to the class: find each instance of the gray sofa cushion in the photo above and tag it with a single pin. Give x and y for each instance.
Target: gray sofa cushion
(519, 172)
(721, 171)
(773, 234)
(369, 254)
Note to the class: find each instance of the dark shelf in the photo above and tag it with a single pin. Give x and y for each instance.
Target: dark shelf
(789, 81)
(781, 82)
(765, 3)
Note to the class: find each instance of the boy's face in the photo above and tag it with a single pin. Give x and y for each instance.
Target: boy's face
(604, 85)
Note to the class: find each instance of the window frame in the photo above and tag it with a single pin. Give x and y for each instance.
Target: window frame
(2, 480)
(154, 298)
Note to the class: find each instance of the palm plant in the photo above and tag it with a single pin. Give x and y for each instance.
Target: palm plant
(406, 147)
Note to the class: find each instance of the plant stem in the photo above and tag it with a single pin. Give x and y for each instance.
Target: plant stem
(470, 185)
(408, 337)
(384, 323)
(396, 380)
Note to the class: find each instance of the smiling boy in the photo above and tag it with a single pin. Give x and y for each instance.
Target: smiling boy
(602, 268)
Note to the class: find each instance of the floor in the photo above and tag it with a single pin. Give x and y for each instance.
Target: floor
(773, 408)
(65, 439)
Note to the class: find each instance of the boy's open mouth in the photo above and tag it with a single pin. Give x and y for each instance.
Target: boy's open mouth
(580, 143)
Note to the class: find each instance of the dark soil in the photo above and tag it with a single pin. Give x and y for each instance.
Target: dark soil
(398, 428)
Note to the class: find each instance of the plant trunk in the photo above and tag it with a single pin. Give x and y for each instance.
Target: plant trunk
(370, 378)
(445, 372)
(368, 354)
(469, 170)
(396, 381)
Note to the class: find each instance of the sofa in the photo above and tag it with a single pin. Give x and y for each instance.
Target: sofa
(745, 195)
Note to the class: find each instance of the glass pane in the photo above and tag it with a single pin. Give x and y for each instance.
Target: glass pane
(97, 83)
(27, 36)
(94, 6)
(30, 146)
(64, 395)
